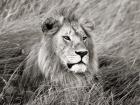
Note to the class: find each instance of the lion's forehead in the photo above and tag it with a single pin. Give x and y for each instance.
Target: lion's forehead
(73, 30)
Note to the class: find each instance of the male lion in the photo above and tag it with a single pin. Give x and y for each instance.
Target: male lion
(66, 54)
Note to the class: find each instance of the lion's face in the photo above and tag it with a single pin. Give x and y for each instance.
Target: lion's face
(70, 44)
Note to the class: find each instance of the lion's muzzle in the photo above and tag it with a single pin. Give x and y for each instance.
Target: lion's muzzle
(81, 62)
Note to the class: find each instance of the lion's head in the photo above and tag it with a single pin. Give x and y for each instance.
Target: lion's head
(71, 43)
(67, 45)
(66, 53)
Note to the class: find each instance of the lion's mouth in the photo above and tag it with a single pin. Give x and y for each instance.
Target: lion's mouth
(71, 64)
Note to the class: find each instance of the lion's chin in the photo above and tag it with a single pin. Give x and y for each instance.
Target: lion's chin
(78, 68)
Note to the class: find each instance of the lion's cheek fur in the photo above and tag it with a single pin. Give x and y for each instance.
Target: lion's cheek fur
(73, 59)
(85, 59)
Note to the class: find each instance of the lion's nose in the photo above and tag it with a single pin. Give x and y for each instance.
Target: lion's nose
(81, 53)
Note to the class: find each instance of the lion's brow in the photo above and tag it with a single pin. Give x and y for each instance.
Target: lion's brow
(77, 31)
(86, 33)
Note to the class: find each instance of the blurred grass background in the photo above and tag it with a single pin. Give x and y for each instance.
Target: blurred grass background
(117, 22)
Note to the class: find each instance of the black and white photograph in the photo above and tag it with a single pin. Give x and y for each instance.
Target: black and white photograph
(69, 52)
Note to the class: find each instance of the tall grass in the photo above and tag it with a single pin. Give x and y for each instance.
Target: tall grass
(117, 34)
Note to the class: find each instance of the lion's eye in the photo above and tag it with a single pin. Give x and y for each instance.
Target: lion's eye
(66, 38)
(84, 38)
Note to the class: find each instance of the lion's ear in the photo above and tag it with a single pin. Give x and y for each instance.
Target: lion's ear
(87, 24)
(50, 25)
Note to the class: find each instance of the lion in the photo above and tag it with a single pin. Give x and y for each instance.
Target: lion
(65, 56)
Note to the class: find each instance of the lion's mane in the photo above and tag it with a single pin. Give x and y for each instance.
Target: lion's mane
(43, 64)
